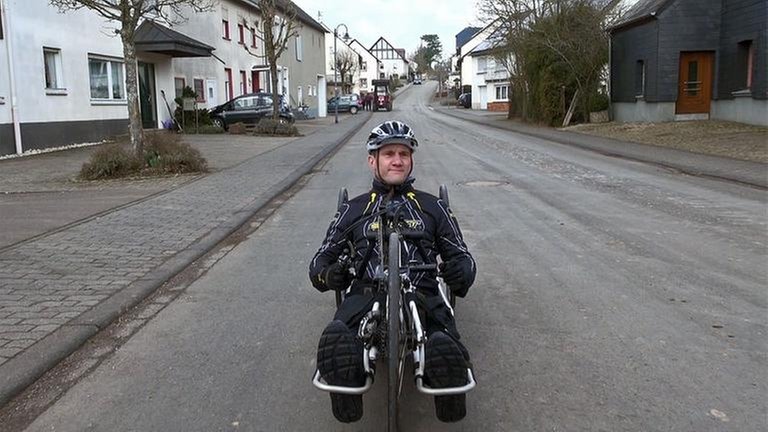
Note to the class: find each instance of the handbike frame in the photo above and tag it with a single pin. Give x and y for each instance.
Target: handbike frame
(400, 315)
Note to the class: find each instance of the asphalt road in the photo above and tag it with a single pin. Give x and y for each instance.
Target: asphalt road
(611, 296)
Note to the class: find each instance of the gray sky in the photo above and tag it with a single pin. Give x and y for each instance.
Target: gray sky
(401, 22)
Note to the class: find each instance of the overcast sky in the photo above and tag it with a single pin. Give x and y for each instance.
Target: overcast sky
(401, 22)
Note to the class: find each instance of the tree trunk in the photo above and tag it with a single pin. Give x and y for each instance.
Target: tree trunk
(275, 95)
(135, 129)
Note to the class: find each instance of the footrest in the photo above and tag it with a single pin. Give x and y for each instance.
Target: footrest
(447, 390)
(318, 382)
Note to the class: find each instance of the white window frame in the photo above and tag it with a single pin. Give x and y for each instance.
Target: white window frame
(299, 48)
(502, 92)
(111, 62)
(58, 88)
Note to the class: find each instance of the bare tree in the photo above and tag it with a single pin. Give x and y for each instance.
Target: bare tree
(346, 64)
(278, 26)
(128, 14)
(571, 31)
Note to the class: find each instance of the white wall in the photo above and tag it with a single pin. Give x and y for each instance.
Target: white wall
(742, 110)
(372, 69)
(5, 84)
(37, 24)
(207, 28)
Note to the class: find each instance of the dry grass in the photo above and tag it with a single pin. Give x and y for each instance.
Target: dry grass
(712, 137)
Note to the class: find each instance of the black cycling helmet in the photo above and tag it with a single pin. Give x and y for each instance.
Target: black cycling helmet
(391, 132)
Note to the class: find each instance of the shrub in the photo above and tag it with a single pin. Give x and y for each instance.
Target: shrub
(165, 153)
(110, 161)
(274, 127)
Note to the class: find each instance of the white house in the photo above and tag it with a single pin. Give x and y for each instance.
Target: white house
(491, 83)
(392, 60)
(63, 76)
(482, 73)
(341, 48)
(240, 66)
(369, 66)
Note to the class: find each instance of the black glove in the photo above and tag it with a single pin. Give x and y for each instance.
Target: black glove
(337, 277)
(458, 274)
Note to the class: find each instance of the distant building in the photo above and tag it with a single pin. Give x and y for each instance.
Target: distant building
(691, 59)
(392, 60)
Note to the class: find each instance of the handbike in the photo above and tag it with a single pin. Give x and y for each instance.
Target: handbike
(393, 329)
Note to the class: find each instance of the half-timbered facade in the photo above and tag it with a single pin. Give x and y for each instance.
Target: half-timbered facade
(393, 61)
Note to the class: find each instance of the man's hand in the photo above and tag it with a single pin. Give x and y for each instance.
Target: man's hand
(458, 274)
(337, 277)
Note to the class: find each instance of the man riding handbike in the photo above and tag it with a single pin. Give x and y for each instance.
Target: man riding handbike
(348, 245)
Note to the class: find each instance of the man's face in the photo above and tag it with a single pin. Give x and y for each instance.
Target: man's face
(394, 163)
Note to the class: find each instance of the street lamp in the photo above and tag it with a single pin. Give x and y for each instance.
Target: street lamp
(336, 65)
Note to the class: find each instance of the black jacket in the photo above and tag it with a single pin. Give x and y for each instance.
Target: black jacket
(421, 211)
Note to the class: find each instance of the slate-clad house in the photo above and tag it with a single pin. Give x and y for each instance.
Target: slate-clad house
(691, 59)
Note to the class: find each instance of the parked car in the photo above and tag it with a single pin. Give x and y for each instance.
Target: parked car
(249, 108)
(465, 100)
(417, 81)
(351, 103)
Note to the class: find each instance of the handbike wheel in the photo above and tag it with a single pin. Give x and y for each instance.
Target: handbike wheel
(393, 331)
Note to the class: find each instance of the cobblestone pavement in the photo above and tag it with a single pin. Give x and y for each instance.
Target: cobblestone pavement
(49, 281)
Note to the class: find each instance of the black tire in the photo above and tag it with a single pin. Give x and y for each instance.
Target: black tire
(353, 110)
(393, 331)
(343, 197)
(451, 408)
(219, 123)
(443, 194)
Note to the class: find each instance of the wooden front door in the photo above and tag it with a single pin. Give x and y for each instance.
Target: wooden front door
(695, 87)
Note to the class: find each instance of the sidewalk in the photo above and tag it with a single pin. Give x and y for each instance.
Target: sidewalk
(750, 173)
(59, 289)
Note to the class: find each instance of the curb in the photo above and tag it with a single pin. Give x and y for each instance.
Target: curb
(24, 369)
(740, 176)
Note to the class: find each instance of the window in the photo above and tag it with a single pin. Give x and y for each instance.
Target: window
(363, 82)
(502, 92)
(482, 65)
(253, 37)
(199, 89)
(246, 102)
(364, 66)
(229, 88)
(243, 83)
(225, 29)
(640, 78)
(298, 48)
(178, 85)
(746, 61)
(53, 72)
(107, 78)
(241, 34)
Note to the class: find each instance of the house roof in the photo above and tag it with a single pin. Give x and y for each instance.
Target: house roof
(153, 37)
(360, 44)
(465, 35)
(479, 33)
(402, 55)
(641, 11)
(301, 15)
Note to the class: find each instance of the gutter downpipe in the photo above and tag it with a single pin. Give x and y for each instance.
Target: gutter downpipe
(12, 77)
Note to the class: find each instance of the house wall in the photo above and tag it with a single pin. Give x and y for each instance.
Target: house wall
(686, 25)
(741, 109)
(743, 20)
(62, 117)
(207, 28)
(304, 73)
(371, 71)
(627, 48)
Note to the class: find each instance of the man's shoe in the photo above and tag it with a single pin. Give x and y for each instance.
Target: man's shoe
(446, 366)
(340, 362)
